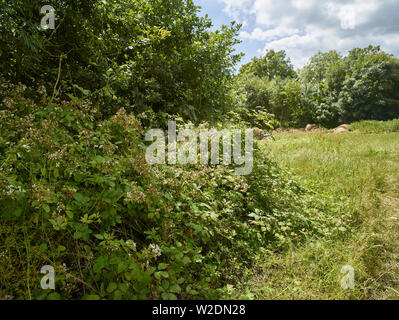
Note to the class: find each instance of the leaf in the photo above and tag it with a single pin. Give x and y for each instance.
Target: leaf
(163, 266)
(118, 295)
(54, 296)
(175, 288)
(122, 266)
(46, 208)
(168, 296)
(165, 284)
(112, 287)
(85, 92)
(123, 287)
(128, 276)
(81, 198)
(158, 275)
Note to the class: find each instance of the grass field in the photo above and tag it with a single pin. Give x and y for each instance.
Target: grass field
(362, 171)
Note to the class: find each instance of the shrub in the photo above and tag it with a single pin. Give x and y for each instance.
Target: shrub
(142, 54)
(76, 193)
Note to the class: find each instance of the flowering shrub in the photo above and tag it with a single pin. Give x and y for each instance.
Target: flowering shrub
(76, 193)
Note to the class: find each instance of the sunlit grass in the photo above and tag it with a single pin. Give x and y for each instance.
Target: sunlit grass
(373, 126)
(364, 171)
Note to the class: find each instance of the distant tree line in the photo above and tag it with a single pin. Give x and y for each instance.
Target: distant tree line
(331, 89)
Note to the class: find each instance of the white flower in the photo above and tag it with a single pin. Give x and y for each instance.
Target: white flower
(11, 189)
(42, 90)
(156, 249)
(131, 244)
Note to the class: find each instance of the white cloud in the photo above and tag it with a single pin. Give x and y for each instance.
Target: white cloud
(352, 14)
(304, 27)
(303, 4)
(270, 34)
(235, 8)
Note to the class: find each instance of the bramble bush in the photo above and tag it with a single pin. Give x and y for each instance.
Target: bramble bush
(76, 193)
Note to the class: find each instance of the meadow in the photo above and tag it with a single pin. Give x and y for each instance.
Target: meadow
(361, 170)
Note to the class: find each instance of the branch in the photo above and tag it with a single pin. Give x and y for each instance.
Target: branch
(58, 78)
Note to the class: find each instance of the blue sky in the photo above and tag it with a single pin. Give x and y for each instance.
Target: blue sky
(219, 17)
(304, 27)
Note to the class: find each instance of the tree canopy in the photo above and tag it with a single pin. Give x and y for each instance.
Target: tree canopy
(331, 89)
(141, 54)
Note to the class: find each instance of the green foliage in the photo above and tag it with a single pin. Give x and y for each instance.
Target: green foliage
(75, 189)
(373, 126)
(271, 66)
(322, 80)
(360, 86)
(257, 118)
(140, 55)
(77, 193)
(330, 90)
(269, 84)
(371, 90)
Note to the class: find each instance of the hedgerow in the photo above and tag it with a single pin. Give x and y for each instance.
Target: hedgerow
(76, 193)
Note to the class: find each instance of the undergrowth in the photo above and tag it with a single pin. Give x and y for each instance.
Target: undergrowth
(76, 193)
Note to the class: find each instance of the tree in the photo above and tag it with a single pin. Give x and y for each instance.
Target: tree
(137, 54)
(323, 79)
(288, 104)
(271, 66)
(361, 86)
(371, 88)
(269, 83)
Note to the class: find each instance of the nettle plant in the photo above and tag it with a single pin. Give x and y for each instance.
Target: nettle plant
(76, 190)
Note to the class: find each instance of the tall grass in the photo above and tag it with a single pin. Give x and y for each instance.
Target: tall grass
(362, 172)
(373, 126)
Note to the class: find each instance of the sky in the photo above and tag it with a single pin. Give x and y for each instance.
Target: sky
(304, 27)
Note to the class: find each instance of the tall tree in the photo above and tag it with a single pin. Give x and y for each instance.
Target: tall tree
(271, 66)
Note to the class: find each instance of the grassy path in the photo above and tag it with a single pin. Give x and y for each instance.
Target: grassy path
(361, 170)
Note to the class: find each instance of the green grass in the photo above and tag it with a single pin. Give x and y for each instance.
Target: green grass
(376, 126)
(362, 172)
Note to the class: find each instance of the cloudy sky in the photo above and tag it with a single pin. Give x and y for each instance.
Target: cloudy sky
(304, 27)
